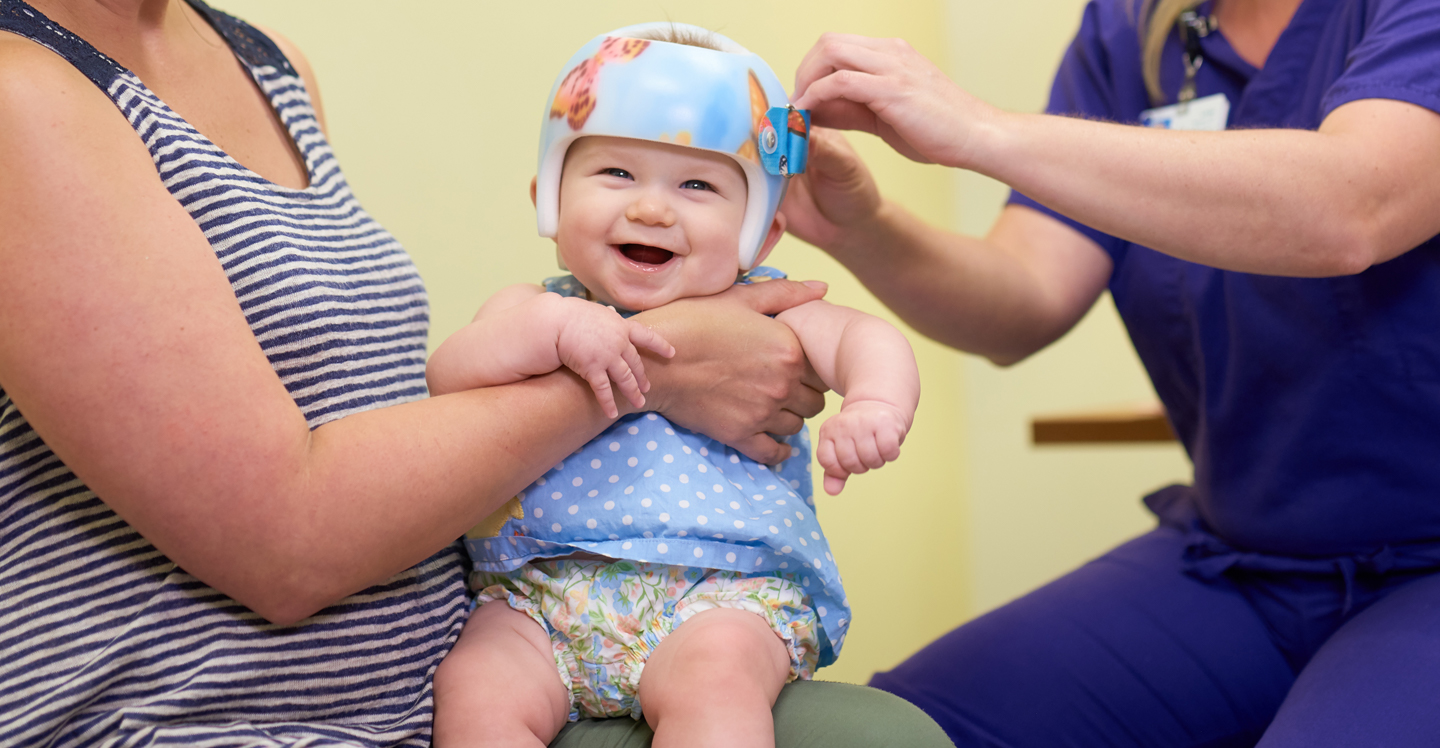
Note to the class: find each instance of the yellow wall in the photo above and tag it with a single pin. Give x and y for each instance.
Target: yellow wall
(434, 110)
(1034, 513)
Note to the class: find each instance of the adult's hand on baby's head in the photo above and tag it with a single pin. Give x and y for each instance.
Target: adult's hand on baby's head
(737, 375)
(834, 196)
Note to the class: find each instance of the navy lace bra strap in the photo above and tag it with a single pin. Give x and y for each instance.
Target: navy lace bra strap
(19, 18)
(251, 46)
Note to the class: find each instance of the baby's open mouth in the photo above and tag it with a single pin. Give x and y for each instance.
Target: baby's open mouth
(645, 254)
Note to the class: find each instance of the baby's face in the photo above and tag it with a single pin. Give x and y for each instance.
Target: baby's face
(643, 224)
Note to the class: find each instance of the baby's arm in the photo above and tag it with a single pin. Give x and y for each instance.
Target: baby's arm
(870, 363)
(522, 331)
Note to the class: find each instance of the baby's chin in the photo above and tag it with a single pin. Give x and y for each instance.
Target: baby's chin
(635, 302)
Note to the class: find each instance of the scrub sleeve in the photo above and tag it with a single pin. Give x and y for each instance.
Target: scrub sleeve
(808, 714)
(1289, 597)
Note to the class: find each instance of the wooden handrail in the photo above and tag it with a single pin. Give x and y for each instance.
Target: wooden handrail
(1141, 423)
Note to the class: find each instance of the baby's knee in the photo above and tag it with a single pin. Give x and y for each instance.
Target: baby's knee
(724, 632)
(722, 649)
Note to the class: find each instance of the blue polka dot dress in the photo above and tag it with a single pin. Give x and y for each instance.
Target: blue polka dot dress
(648, 490)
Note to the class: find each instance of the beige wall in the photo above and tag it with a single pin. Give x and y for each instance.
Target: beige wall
(434, 109)
(1034, 513)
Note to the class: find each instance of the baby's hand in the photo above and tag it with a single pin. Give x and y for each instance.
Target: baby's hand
(595, 342)
(864, 435)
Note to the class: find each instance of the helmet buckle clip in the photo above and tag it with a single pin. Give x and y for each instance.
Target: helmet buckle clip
(785, 141)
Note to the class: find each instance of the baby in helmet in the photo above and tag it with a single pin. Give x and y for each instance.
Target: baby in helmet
(663, 160)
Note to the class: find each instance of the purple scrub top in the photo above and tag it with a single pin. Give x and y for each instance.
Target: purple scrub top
(1311, 407)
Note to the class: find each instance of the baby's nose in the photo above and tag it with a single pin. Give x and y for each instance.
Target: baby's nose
(651, 211)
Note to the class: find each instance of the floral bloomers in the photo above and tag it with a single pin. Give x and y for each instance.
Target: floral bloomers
(605, 617)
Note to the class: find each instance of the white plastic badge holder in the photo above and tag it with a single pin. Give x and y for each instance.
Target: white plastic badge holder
(1205, 113)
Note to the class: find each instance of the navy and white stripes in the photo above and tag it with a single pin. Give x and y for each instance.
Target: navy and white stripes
(103, 639)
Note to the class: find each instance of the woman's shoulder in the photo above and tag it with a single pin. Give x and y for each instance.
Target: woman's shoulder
(36, 76)
(50, 112)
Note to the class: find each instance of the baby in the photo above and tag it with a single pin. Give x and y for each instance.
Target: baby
(663, 161)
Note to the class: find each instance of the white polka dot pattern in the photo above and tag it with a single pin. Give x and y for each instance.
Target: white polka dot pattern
(629, 494)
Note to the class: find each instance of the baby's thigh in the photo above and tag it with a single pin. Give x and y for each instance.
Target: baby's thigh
(499, 680)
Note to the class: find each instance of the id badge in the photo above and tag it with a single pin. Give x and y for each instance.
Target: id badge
(1205, 113)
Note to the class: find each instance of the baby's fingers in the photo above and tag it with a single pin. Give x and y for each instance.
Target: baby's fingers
(643, 337)
(600, 385)
(848, 457)
(867, 450)
(624, 378)
(889, 442)
(835, 474)
(636, 364)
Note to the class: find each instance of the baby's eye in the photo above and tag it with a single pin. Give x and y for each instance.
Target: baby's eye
(697, 184)
(617, 172)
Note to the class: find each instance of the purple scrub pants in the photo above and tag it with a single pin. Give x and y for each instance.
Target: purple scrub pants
(1138, 649)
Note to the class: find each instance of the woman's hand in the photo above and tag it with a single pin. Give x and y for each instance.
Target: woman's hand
(885, 87)
(835, 198)
(737, 375)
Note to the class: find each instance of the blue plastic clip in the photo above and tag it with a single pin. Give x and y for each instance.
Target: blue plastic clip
(785, 140)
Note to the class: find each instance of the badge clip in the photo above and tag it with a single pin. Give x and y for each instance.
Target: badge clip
(785, 140)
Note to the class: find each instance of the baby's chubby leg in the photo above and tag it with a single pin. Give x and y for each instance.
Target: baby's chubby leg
(499, 686)
(713, 682)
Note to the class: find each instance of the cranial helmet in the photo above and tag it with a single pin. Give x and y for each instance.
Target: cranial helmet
(727, 101)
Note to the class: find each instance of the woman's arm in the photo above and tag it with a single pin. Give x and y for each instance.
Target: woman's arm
(123, 344)
(1003, 296)
(1358, 191)
(523, 332)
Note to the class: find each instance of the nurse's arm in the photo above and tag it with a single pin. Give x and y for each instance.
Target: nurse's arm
(1003, 296)
(1359, 191)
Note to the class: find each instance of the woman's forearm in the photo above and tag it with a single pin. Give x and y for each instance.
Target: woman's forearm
(1281, 202)
(363, 497)
(1360, 190)
(1003, 296)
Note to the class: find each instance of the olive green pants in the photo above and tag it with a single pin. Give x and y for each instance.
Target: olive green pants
(808, 714)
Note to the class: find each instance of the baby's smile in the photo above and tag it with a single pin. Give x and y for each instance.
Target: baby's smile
(643, 254)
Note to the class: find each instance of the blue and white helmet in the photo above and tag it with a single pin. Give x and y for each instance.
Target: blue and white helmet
(727, 101)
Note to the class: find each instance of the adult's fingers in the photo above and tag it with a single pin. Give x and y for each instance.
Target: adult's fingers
(784, 423)
(763, 449)
(774, 297)
(807, 400)
(847, 85)
(835, 51)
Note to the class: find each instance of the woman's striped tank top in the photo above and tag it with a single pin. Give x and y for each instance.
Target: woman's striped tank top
(103, 639)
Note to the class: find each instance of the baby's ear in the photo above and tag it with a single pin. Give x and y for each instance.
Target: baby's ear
(533, 181)
(772, 237)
